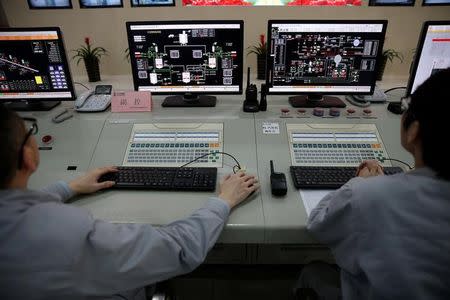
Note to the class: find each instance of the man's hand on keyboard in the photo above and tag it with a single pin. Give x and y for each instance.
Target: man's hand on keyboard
(369, 168)
(88, 183)
(235, 188)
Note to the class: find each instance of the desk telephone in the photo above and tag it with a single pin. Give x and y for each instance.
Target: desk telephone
(97, 100)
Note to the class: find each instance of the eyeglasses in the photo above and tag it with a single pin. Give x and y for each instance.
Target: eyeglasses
(31, 124)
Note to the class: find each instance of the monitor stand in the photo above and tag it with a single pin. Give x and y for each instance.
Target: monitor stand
(316, 100)
(190, 100)
(26, 105)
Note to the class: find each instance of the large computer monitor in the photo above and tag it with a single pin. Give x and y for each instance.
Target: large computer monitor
(432, 53)
(313, 58)
(187, 59)
(34, 73)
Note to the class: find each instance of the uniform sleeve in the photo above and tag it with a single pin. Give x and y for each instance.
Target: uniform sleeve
(334, 222)
(60, 189)
(120, 257)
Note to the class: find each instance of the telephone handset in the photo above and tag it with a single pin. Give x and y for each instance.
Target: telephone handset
(97, 100)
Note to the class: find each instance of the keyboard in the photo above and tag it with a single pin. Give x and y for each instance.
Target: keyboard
(164, 178)
(328, 177)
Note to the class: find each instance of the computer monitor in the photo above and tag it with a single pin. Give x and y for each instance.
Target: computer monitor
(391, 2)
(313, 58)
(435, 2)
(100, 3)
(187, 59)
(34, 73)
(432, 53)
(44, 4)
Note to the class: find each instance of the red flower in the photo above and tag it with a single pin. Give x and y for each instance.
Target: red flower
(262, 40)
(87, 40)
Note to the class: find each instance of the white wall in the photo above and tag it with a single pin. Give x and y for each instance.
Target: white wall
(107, 26)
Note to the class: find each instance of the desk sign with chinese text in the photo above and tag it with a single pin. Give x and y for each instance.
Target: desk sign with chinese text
(131, 101)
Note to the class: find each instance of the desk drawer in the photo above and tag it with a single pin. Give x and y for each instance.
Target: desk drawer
(227, 254)
(292, 254)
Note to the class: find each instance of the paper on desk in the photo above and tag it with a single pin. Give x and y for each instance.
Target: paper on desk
(311, 198)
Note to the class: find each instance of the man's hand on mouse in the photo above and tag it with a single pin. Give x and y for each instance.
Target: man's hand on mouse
(369, 168)
(234, 188)
(88, 183)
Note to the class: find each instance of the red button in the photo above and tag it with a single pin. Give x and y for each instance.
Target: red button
(367, 111)
(47, 139)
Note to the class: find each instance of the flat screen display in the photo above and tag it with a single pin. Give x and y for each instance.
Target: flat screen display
(44, 4)
(100, 3)
(432, 53)
(391, 2)
(187, 56)
(33, 65)
(138, 3)
(324, 57)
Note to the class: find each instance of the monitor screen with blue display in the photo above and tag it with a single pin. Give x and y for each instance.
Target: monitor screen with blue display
(37, 4)
(100, 3)
(391, 2)
(138, 3)
(34, 73)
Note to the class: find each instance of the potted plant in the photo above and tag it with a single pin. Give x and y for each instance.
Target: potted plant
(260, 50)
(91, 57)
(388, 55)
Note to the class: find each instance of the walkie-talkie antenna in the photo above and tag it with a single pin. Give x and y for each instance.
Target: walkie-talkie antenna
(248, 77)
(271, 167)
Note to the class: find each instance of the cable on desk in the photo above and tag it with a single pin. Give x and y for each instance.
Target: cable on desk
(400, 161)
(82, 85)
(357, 102)
(236, 168)
(394, 88)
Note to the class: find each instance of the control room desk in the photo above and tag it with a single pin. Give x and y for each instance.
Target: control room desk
(95, 139)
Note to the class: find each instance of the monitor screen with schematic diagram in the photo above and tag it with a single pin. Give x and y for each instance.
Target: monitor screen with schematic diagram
(189, 58)
(175, 144)
(314, 58)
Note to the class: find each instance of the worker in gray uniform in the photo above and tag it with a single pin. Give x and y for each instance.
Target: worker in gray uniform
(390, 235)
(50, 250)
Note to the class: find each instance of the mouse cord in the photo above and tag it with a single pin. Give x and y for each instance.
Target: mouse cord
(236, 168)
(400, 161)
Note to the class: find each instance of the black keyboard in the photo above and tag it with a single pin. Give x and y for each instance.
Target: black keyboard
(328, 177)
(164, 178)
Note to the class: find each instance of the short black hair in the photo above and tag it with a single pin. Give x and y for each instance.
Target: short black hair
(430, 106)
(12, 131)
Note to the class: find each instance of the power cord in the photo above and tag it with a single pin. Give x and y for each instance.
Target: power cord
(355, 102)
(394, 88)
(400, 161)
(81, 85)
(236, 167)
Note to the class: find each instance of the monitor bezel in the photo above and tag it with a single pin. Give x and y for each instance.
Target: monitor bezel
(418, 53)
(100, 6)
(65, 63)
(70, 6)
(151, 5)
(324, 91)
(189, 22)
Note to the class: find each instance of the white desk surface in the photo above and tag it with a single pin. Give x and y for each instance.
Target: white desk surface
(90, 140)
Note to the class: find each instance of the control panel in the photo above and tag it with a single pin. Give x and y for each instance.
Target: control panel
(174, 144)
(344, 145)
